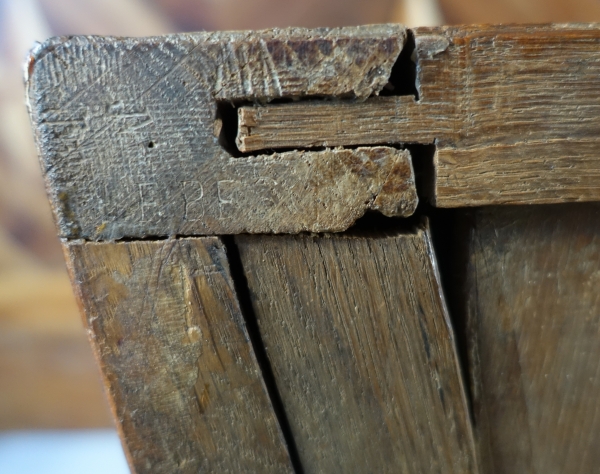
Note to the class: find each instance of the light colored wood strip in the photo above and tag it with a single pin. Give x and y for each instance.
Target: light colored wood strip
(165, 323)
(533, 307)
(379, 120)
(357, 333)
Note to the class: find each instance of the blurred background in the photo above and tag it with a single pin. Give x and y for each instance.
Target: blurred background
(48, 378)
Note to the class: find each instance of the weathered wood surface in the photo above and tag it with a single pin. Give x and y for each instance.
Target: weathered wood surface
(187, 393)
(356, 330)
(128, 131)
(514, 111)
(533, 307)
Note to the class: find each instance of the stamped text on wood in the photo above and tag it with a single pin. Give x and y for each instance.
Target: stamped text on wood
(129, 130)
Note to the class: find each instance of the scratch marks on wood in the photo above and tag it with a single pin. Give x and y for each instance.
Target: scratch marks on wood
(180, 371)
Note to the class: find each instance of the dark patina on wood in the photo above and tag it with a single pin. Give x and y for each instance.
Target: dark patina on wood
(129, 133)
(532, 305)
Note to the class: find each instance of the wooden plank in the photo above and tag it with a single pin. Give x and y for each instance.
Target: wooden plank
(165, 323)
(129, 131)
(508, 102)
(547, 171)
(522, 86)
(379, 120)
(533, 308)
(356, 331)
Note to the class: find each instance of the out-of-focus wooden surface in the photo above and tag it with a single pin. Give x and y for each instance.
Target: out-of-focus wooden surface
(533, 318)
(48, 377)
(515, 11)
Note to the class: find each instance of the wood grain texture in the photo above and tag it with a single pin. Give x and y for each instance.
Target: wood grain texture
(362, 350)
(514, 111)
(379, 120)
(533, 309)
(529, 87)
(187, 392)
(128, 129)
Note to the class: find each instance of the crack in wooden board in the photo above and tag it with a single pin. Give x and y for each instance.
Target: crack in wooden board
(186, 390)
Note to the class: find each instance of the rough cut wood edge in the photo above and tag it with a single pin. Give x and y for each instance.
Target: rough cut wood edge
(128, 130)
(185, 387)
(357, 332)
(514, 111)
(533, 309)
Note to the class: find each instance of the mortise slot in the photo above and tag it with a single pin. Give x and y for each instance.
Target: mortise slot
(423, 165)
(245, 127)
(226, 128)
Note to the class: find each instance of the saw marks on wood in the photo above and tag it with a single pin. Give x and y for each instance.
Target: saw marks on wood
(187, 392)
(129, 131)
(363, 354)
(533, 304)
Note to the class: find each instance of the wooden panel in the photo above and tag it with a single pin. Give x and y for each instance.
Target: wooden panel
(129, 130)
(166, 326)
(523, 90)
(362, 350)
(534, 337)
(514, 111)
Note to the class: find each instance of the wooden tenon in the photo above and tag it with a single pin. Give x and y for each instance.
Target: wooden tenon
(220, 199)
